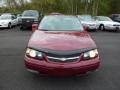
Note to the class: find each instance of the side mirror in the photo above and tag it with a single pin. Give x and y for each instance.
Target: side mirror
(13, 17)
(34, 27)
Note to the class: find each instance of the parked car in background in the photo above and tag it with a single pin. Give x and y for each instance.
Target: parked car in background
(105, 23)
(7, 21)
(115, 17)
(29, 17)
(88, 22)
(61, 47)
(6, 14)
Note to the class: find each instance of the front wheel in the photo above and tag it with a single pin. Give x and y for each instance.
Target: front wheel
(22, 28)
(9, 26)
(101, 27)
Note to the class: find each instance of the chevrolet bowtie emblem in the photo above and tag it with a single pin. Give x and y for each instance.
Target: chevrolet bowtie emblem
(63, 59)
(28, 21)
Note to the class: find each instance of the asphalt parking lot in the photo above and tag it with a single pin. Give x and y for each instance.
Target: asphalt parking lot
(13, 75)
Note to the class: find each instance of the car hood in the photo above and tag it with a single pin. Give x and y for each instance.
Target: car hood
(109, 22)
(61, 40)
(6, 21)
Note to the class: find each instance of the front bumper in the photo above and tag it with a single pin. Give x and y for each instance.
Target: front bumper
(92, 27)
(3, 25)
(68, 69)
(27, 25)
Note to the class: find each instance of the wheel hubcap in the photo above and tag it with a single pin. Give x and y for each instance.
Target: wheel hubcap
(102, 27)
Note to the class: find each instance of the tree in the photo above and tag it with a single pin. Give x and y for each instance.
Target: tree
(93, 7)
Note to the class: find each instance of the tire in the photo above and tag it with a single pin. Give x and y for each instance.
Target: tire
(101, 27)
(117, 30)
(9, 26)
(21, 28)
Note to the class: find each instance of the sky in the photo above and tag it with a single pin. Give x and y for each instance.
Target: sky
(2, 2)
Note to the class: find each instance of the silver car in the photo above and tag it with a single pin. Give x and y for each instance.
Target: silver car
(105, 23)
(88, 22)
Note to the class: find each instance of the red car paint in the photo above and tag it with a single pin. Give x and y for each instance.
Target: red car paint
(62, 69)
(61, 41)
(34, 27)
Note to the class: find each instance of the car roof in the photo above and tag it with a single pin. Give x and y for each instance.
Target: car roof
(115, 14)
(31, 10)
(55, 13)
(101, 16)
(61, 15)
(6, 15)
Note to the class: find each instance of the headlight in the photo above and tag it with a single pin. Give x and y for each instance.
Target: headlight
(90, 54)
(34, 54)
(36, 20)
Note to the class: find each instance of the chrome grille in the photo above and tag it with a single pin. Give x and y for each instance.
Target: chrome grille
(27, 20)
(63, 58)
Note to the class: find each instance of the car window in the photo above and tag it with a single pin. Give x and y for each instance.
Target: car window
(86, 18)
(102, 18)
(116, 17)
(13, 17)
(5, 17)
(30, 13)
(54, 23)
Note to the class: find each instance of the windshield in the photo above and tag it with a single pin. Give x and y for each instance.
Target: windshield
(86, 18)
(116, 17)
(59, 23)
(5, 17)
(30, 13)
(102, 18)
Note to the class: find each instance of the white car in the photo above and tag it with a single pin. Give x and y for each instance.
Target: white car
(88, 22)
(6, 14)
(7, 21)
(105, 23)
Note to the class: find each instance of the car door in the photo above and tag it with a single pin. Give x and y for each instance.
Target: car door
(14, 20)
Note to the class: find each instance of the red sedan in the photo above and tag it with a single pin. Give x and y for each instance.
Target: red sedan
(61, 47)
